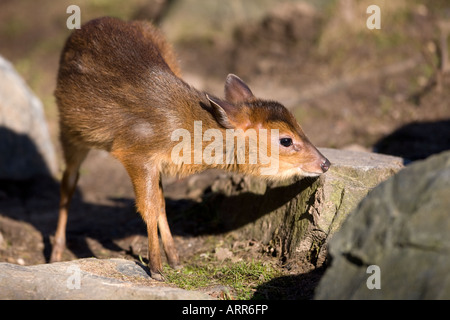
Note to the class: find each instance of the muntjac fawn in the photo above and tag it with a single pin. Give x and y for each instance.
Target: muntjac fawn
(119, 89)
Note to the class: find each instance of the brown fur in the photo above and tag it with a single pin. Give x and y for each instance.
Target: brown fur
(119, 89)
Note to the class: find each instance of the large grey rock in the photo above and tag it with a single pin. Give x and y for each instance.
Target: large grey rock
(25, 146)
(86, 279)
(294, 218)
(403, 228)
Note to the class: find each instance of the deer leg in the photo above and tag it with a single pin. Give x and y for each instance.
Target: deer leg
(149, 202)
(166, 235)
(74, 158)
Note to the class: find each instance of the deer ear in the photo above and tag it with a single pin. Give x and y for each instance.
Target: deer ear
(236, 90)
(223, 111)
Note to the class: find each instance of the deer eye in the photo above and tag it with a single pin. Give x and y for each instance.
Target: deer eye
(286, 142)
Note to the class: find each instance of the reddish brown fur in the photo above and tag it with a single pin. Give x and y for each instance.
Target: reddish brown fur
(119, 89)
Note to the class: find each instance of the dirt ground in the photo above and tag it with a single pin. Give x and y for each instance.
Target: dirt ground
(348, 88)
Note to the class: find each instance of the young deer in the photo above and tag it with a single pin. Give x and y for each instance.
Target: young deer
(119, 89)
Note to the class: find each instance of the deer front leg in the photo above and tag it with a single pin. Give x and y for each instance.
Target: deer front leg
(151, 206)
(149, 203)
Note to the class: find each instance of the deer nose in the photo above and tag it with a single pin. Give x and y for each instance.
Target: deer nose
(325, 165)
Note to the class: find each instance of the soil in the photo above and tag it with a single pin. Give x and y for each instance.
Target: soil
(361, 93)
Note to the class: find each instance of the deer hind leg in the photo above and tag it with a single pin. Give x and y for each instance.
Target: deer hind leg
(74, 157)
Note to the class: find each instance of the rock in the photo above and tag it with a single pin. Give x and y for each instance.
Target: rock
(295, 218)
(222, 254)
(25, 146)
(86, 279)
(402, 228)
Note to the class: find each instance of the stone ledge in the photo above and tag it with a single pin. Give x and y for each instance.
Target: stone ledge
(117, 279)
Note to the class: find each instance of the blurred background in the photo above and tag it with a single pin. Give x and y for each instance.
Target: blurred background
(349, 86)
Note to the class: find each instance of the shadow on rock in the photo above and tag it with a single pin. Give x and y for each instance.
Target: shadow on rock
(20, 158)
(219, 212)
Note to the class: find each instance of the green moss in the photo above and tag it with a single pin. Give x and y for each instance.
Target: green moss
(241, 277)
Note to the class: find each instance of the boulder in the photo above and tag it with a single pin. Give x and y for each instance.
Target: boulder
(86, 279)
(396, 244)
(25, 146)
